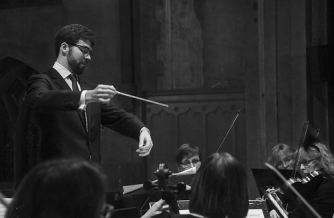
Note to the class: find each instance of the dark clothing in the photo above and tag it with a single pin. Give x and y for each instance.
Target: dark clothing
(63, 125)
(321, 199)
(184, 216)
(167, 215)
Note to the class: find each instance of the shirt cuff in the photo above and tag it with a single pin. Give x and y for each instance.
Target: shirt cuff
(82, 102)
(144, 129)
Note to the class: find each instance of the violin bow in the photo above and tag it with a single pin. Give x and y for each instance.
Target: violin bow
(303, 201)
(233, 121)
(301, 142)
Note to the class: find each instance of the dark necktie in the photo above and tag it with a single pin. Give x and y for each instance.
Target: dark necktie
(74, 80)
(75, 87)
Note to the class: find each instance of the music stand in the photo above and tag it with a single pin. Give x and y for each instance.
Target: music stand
(265, 178)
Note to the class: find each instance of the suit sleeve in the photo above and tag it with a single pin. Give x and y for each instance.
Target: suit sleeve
(121, 121)
(43, 95)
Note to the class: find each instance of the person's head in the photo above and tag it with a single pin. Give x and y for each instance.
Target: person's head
(315, 157)
(73, 45)
(219, 188)
(281, 157)
(187, 156)
(60, 189)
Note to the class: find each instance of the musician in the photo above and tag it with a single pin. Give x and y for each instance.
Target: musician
(70, 110)
(187, 156)
(61, 189)
(281, 156)
(219, 189)
(319, 194)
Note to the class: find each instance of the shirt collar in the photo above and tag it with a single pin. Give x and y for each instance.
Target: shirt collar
(63, 71)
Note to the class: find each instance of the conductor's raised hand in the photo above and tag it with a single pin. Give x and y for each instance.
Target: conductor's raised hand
(102, 94)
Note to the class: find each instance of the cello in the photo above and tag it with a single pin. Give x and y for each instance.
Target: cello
(167, 191)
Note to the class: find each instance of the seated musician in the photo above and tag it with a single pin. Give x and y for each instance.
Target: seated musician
(219, 190)
(65, 188)
(61, 189)
(188, 156)
(319, 193)
(281, 156)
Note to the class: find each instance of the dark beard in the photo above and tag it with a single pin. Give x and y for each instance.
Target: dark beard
(74, 64)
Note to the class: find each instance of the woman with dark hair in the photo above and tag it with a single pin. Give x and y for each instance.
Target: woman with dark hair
(60, 189)
(219, 189)
(188, 156)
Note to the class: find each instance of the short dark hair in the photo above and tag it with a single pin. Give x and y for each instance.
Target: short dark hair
(72, 33)
(186, 150)
(60, 188)
(220, 188)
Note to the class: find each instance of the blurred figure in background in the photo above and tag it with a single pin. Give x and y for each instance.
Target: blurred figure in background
(188, 156)
(281, 157)
(61, 189)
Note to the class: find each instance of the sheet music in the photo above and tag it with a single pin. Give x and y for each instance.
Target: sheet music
(131, 188)
(255, 213)
(3, 208)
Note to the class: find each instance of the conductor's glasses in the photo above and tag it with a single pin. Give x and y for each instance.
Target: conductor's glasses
(85, 50)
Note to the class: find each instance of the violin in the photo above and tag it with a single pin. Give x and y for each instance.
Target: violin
(306, 185)
(306, 179)
(298, 199)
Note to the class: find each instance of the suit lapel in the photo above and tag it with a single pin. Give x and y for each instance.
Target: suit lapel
(58, 80)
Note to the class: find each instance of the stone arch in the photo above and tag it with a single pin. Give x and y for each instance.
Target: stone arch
(13, 76)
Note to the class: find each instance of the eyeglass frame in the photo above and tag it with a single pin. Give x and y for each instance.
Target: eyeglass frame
(193, 162)
(82, 49)
(308, 163)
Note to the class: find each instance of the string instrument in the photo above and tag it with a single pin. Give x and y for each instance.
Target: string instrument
(303, 185)
(299, 200)
(276, 201)
(301, 143)
(229, 129)
(309, 182)
(166, 190)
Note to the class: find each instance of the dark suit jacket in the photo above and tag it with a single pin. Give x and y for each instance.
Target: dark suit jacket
(64, 133)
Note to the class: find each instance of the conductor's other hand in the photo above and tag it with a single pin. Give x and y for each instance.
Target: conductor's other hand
(102, 94)
(145, 142)
(155, 209)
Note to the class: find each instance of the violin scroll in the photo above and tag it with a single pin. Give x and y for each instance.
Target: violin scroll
(166, 190)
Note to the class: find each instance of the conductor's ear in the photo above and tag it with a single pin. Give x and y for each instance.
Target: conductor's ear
(64, 48)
